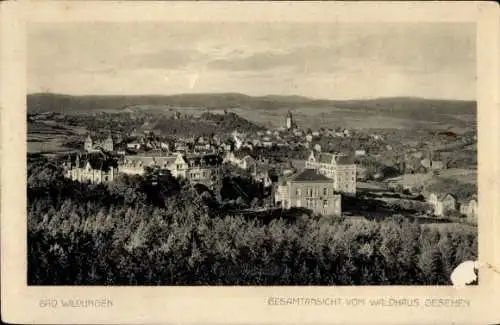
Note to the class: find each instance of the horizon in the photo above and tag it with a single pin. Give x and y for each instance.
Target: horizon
(252, 96)
(315, 60)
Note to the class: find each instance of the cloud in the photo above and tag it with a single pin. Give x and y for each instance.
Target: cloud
(164, 59)
(321, 60)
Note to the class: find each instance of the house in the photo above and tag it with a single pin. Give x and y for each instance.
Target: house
(135, 164)
(298, 133)
(240, 159)
(92, 146)
(442, 203)
(432, 164)
(263, 178)
(360, 152)
(248, 145)
(164, 146)
(256, 142)
(437, 165)
(203, 168)
(309, 189)
(226, 146)
(340, 168)
(287, 171)
(91, 167)
(469, 208)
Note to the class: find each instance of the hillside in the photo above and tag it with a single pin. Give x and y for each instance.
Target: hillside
(400, 106)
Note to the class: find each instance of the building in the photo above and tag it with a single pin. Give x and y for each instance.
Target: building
(442, 203)
(240, 159)
(289, 122)
(91, 146)
(341, 169)
(202, 169)
(360, 152)
(469, 208)
(91, 167)
(205, 169)
(136, 164)
(311, 190)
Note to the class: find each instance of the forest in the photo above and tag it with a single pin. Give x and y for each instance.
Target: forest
(157, 230)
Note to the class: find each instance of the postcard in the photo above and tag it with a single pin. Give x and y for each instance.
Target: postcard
(250, 162)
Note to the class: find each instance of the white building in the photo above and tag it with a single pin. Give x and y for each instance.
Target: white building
(341, 169)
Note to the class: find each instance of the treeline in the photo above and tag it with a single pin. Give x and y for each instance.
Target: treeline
(109, 235)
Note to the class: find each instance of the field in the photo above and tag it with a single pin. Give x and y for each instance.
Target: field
(49, 137)
(468, 176)
(269, 111)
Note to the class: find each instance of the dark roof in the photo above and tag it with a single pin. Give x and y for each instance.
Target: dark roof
(96, 160)
(442, 195)
(309, 175)
(325, 158)
(240, 154)
(345, 160)
(204, 160)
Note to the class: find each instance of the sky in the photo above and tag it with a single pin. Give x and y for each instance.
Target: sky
(319, 60)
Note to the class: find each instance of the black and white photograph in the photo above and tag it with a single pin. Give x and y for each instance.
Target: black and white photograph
(241, 153)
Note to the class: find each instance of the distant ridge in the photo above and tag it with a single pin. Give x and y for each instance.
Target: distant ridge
(44, 102)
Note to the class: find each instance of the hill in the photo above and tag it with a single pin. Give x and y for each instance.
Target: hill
(407, 106)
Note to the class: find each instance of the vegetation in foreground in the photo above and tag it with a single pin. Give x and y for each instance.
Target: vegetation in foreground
(133, 232)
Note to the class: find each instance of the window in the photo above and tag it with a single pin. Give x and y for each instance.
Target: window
(297, 192)
(325, 203)
(325, 191)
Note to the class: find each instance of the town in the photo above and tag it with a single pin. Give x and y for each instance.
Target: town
(328, 171)
(227, 153)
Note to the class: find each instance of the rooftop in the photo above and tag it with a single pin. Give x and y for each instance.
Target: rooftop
(310, 175)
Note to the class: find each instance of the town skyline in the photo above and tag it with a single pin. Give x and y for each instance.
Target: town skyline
(291, 59)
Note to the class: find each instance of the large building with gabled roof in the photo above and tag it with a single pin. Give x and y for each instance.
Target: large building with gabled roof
(92, 167)
(340, 168)
(311, 190)
(205, 169)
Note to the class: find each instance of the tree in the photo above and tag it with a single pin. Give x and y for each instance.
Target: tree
(241, 202)
(256, 202)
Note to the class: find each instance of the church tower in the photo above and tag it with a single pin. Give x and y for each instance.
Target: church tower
(290, 124)
(108, 143)
(88, 146)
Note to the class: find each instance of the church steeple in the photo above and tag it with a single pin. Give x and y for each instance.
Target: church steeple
(88, 146)
(108, 143)
(290, 124)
